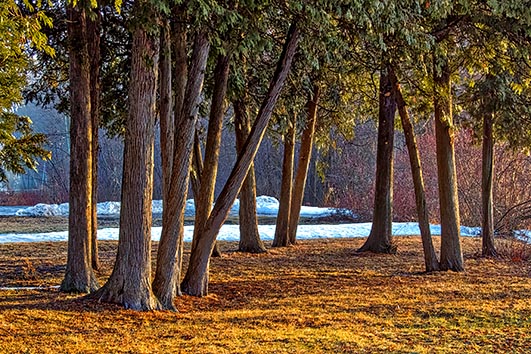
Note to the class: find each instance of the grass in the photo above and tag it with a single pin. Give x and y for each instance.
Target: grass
(317, 296)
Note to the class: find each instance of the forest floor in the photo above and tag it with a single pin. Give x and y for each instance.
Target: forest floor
(317, 296)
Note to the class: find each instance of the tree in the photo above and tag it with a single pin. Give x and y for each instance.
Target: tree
(451, 255)
(20, 27)
(380, 237)
(93, 25)
(431, 261)
(249, 237)
(281, 238)
(130, 281)
(305, 154)
(79, 276)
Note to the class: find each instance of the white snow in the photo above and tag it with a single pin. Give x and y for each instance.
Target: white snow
(267, 232)
(265, 205)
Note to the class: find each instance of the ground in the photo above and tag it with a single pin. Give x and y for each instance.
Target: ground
(317, 296)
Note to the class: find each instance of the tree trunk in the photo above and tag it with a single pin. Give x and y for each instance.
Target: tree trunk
(94, 33)
(281, 238)
(451, 256)
(130, 281)
(249, 236)
(79, 276)
(166, 122)
(379, 240)
(430, 257)
(205, 198)
(196, 279)
(169, 257)
(487, 229)
(305, 155)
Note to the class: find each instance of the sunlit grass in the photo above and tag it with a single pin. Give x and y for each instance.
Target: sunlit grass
(318, 296)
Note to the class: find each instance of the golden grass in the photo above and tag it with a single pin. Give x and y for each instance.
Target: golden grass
(318, 296)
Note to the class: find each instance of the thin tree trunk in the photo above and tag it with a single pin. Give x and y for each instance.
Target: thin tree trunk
(130, 281)
(79, 276)
(430, 257)
(379, 240)
(166, 122)
(94, 33)
(249, 236)
(205, 198)
(197, 167)
(281, 238)
(169, 257)
(196, 278)
(487, 229)
(305, 155)
(451, 256)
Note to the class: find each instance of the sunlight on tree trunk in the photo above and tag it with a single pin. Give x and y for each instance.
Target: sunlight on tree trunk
(451, 255)
(281, 238)
(379, 240)
(431, 262)
(79, 276)
(130, 281)
(305, 155)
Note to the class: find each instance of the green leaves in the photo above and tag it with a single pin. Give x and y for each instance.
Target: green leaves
(19, 146)
(20, 26)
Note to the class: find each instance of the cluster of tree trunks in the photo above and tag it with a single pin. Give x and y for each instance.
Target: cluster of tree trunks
(292, 190)
(180, 87)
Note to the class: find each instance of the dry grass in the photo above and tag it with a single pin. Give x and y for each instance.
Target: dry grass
(318, 296)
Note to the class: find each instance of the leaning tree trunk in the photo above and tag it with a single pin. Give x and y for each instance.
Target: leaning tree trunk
(94, 33)
(451, 256)
(130, 281)
(487, 229)
(379, 240)
(249, 236)
(430, 257)
(281, 238)
(305, 155)
(169, 257)
(196, 278)
(79, 276)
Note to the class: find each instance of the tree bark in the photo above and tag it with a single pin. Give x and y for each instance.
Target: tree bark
(166, 122)
(196, 278)
(249, 236)
(94, 33)
(451, 256)
(169, 257)
(487, 229)
(130, 281)
(205, 198)
(431, 262)
(281, 238)
(305, 155)
(79, 276)
(379, 240)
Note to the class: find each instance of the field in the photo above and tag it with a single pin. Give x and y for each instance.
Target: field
(317, 296)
